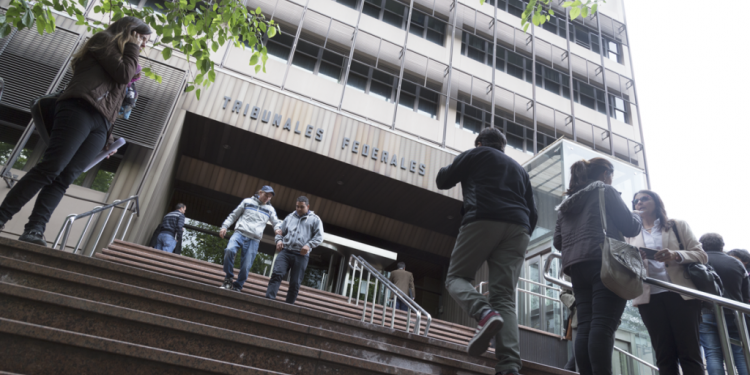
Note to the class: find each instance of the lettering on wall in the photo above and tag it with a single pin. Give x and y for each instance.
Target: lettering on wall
(275, 119)
(365, 150)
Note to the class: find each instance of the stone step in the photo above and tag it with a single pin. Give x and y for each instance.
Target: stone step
(200, 271)
(71, 314)
(34, 349)
(178, 298)
(35, 277)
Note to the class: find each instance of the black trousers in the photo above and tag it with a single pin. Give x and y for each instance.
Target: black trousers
(673, 325)
(599, 312)
(78, 135)
(290, 261)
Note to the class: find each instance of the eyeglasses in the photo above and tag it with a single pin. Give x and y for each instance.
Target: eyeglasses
(641, 199)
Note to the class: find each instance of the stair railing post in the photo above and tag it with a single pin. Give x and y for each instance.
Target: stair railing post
(62, 230)
(418, 323)
(726, 346)
(393, 308)
(386, 295)
(742, 324)
(374, 299)
(408, 318)
(359, 287)
(119, 222)
(85, 230)
(367, 293)
(104, 226)
(65, 237)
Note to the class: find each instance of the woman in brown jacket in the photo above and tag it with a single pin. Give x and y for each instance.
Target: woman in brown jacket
(84, 114)
(672, 320)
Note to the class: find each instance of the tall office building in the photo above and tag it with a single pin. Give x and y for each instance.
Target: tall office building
(361, 104)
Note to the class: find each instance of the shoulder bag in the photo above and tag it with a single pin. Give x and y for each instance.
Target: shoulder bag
(43, 113)
(622, 267)
(703, 276)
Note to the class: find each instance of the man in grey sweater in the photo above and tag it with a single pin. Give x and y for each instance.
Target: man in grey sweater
(301, 232)
(251, 217)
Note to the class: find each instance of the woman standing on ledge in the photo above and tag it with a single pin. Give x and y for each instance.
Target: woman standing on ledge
(84, 114)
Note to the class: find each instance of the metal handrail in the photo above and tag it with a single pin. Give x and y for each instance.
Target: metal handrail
(719, 303)
(131, 204)
(623, 351)
(357, 263)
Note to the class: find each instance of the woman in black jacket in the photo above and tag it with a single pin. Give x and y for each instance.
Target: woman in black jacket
(579, 236)
(84, 114)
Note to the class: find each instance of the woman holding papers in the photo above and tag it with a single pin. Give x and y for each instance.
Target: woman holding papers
(671, 319)
(102, 71)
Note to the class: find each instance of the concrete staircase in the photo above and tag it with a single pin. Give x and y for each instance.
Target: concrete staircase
(135, 310)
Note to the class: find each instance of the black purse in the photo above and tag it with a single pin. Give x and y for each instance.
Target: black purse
(43, 113)
(703, 276)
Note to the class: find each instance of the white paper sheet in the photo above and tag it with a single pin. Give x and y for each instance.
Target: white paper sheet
(119, 142)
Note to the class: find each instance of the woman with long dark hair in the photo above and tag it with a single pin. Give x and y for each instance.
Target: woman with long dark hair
(672, 320)
(579, 236)
(84, 115)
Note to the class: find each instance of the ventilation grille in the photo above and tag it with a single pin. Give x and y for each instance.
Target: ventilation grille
(29, 63)
(153, 107)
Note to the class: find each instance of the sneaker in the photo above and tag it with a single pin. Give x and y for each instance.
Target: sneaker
(227, 284)
(487, 328)
(236, 289)
(33, 236)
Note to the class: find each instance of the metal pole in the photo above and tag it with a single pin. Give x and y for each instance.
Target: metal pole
(62, 229)
(385, 302)
(127, 226)
(726, 346)
(367, 294)
(119, 222)
(403, 63)
(393, 308)
(359, 287)
(374, 299)
(67, 233)
(294, 45)
(408, 318)
(606, 91)
(85, 229)
(570, 76)
(450, 75)
(101, 232)
(742, 325)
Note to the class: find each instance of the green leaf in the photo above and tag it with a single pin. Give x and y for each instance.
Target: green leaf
(257, 11)
(166, 53)
(40, 25)
(5, 30)
(198, 94)
(211, 75)
(192, 30)
(189, 88)
(584, 12)
(526, 27)
(551, 12)
(257, 69)
(159, 6)
(28, 19)
(272, 31)
(593, 8)
(158, 78)
(98, 9)
(567, 4)
(254, 58)
(574, 13)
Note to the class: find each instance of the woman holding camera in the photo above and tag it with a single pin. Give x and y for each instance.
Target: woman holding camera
(579, 236)
(672, 320)
(84, 114)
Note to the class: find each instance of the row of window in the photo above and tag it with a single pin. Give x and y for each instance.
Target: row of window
(520, 137)
(550, 79)
(395, 13)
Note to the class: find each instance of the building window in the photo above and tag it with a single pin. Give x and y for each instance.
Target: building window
(419, 99)
(589, 96)
(553, 80)
(513, 64)
(280, 46)
(470, 118)
(618, 109)
(427, 27)
(519, 137)
(613, 50)
(388, 11)
(318, 61)
(350, 3)
(101, 176)
(372, 81)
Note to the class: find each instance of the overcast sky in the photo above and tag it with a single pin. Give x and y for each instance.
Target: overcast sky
(693, 87)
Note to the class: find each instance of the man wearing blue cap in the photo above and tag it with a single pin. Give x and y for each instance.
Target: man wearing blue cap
(251, 217)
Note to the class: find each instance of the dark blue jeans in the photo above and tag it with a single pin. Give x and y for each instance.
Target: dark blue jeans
(249, 249)
(401, 305)
(712, 345)
(290, 261)
(78, 135)
(599, 311)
